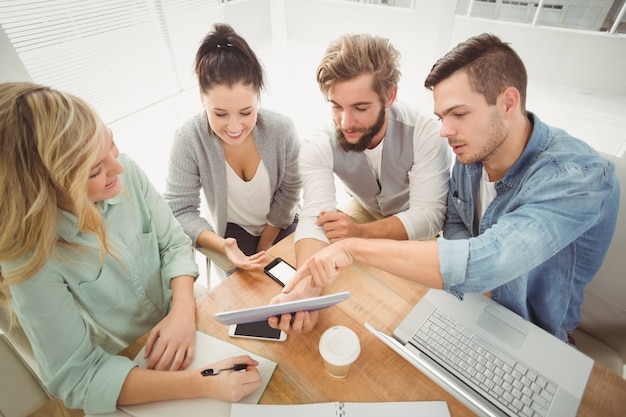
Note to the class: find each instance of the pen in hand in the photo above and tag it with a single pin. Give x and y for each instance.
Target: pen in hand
(213, 372)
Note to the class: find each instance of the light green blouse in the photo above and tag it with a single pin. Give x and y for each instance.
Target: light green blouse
(78, 314)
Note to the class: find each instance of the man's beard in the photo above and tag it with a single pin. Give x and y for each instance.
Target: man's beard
(497, 137)
(368, 134)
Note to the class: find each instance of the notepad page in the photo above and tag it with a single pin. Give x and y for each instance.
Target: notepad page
(208, 350)
(399, 408)
(349, 409)
(280, 410)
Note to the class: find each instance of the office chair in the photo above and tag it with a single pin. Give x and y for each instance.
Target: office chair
(602, 330)
(223, 266)
(16, 336)
(21, 391)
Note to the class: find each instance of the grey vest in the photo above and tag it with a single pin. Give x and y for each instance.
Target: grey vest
(390, 195)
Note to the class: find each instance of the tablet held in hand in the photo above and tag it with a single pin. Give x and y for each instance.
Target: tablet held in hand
(248, 315)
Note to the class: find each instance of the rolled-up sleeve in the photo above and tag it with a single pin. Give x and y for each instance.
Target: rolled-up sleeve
(82, 375)
(79, 311)
(318, 184)
(428, 182)
(175, 246)
(526, 230)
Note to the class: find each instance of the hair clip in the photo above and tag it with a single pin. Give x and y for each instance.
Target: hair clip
(220, 45)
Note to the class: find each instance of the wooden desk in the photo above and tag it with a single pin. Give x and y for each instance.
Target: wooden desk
(379, 374)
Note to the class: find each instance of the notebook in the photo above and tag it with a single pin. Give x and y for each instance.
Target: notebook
(344, 409)
(490, 358)
(208, 350)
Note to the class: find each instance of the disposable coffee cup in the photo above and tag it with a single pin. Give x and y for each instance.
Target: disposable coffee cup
(339, 347)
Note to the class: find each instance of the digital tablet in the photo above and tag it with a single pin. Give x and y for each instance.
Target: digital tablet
(248, 315)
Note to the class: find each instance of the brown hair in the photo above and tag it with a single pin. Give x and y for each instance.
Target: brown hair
(491, 65)
(225, 58)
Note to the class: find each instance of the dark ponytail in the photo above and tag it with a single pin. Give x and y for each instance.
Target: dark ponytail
(225, 58)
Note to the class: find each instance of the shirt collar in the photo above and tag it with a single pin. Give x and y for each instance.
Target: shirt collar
(67, 223)
(538, 142)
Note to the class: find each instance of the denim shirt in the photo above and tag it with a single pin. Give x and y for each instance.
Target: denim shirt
(542, 238)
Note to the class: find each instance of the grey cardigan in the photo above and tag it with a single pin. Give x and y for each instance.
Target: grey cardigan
(197, 161)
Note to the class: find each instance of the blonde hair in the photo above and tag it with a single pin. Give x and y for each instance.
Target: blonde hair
(48, 143)
(350, 56)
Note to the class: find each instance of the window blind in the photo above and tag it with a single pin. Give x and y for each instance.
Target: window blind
(187, 22)
(119, 55)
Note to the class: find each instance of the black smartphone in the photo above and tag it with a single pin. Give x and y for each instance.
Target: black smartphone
(257, 330)
(280, 271)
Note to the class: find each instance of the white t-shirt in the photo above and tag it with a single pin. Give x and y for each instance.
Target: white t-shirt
(375, 156)
(486, 194)
(249, 201)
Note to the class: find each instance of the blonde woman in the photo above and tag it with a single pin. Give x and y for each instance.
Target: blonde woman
(92, 258)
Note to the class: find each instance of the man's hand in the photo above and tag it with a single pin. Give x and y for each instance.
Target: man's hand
(322, 268)
(338, 225)
(302, 321)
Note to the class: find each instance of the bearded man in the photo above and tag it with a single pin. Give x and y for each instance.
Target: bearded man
(531, 209)
(392, 161)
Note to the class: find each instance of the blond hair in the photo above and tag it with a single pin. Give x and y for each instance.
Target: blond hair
(48, 143)
(350, 56)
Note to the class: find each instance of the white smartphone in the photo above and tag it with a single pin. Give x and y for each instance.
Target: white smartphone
(257, 330)
(280, 271)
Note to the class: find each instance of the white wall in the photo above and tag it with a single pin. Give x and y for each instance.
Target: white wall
(251, 19)
(576, 78)
(421, 35)
(12, 67)
(586, 60)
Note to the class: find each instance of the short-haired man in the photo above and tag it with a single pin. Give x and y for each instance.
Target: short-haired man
(531, 210)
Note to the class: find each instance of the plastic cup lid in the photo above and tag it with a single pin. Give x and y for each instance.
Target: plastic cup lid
(339, 346)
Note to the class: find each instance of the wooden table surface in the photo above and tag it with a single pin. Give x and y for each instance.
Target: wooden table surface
(379, 374)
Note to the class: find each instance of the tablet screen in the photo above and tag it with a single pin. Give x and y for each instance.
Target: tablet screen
(248, 315)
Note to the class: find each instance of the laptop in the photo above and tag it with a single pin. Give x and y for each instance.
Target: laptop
(491, 359)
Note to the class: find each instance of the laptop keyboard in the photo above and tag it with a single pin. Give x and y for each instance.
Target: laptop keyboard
(510, 385)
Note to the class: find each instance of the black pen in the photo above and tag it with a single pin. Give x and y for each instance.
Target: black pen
(213, 372)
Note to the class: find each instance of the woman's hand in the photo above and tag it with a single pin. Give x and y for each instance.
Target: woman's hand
(267, 238)
(240, 259)
(171, 343)
(230, 385)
